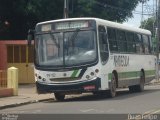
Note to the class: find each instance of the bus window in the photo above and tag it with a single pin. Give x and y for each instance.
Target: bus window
(122, 43)
(151, 47)
(112, 40)
(131, 46)
(139, 45)
(103, 44)
(146, 43)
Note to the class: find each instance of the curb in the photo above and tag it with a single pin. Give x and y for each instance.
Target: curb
(153, 83)
(23, 103)
(6, 92)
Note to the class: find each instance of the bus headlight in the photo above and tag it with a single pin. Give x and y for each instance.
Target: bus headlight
(91, 76)
(43, 79)
(39, 77)
(88, 77)
(97, 70)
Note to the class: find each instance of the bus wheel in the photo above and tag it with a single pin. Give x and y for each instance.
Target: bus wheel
(112, 86)
(140, 87)
(59, 96)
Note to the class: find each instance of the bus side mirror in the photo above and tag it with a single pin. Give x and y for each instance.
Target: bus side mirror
(30, 36)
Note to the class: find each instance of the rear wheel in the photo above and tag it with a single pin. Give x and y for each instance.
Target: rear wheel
(59, 96)
(112, 86)
(140, 87)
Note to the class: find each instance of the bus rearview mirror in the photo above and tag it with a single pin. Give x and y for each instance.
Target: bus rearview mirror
(30, 36)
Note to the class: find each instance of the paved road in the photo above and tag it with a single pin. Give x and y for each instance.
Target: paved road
(125, 102)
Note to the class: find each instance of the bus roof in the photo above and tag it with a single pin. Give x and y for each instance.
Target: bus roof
(103, 22)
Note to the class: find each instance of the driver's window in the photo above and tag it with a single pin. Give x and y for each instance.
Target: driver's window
(103, 44)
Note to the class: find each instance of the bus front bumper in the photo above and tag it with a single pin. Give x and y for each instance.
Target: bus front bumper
(80, 87)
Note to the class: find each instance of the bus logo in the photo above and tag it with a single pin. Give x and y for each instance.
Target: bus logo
(121, 61)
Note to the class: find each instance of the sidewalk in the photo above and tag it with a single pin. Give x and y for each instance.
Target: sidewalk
(154, 82)
(26, 95)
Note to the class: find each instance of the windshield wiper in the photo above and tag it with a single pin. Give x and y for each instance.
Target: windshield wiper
(73, 37)
(54, 39)
(72, 40)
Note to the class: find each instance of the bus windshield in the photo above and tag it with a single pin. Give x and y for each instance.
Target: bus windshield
(70, 48)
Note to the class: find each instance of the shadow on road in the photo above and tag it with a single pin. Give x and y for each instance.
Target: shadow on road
(121, 94)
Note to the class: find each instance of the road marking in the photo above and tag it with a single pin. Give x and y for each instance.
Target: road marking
(156, 111)
(151, 112)
(37, 111)
(148, 112)
(21, 112)
(87, 110)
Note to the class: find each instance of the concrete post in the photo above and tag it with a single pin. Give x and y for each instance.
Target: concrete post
(12, 79)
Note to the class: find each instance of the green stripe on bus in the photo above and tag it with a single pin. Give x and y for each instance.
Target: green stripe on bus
(109, 76)
(150, 72)
(74, 73)
(131, 74)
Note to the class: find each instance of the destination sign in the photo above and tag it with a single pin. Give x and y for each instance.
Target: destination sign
(46, 27)
(71, 25)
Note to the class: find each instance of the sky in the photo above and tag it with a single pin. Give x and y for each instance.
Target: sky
(149, 7)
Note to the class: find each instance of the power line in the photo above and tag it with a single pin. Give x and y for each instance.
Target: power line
(145, 13)
(149, 9)
(104, 5)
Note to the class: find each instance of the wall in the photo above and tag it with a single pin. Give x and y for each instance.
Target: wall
(3, 51)
(3, 56)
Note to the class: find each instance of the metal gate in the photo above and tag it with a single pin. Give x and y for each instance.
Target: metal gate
(21, 57)
(3, 79)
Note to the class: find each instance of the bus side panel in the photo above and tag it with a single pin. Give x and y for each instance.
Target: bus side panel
(129, 66)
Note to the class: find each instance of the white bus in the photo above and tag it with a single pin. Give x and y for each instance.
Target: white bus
(78, 55)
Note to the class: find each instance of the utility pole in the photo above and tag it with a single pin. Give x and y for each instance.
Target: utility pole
(65, 8)
(158, 37)
(142, 12)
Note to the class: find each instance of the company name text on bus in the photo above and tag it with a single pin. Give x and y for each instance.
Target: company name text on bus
(121, 61)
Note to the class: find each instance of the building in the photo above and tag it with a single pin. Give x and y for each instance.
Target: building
(16, 53)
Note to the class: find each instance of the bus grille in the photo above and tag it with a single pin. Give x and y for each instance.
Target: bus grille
(64, 79)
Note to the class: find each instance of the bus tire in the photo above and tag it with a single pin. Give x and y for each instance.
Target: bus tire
(140, 87)
(59, 96)
(112, 86)
(133, 88)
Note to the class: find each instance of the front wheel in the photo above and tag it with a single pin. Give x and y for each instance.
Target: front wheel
(59, 96)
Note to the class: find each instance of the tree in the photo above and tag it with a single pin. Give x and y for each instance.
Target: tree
(20, 15)
(114, 10)
(149, 24)
(17, 16)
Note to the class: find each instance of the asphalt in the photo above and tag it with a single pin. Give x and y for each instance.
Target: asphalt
(27, 94)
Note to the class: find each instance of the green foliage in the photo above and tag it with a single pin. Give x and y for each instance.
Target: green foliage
(149, 25)
(17, 16)
(114, 10)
